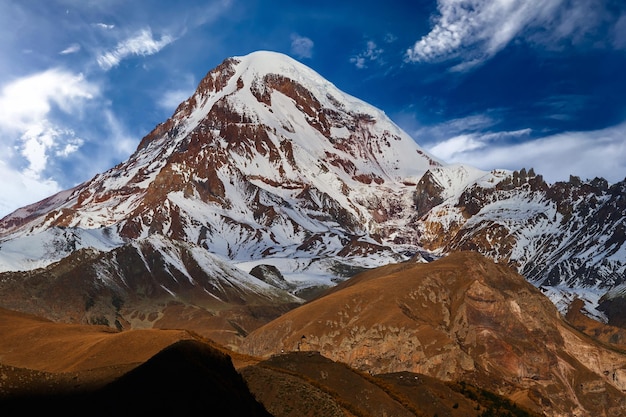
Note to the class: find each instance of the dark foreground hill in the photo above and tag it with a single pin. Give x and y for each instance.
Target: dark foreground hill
(187, 378)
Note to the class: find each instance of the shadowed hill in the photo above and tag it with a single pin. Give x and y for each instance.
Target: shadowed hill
(186, 378)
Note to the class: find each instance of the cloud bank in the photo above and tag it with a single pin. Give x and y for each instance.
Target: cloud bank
(590, 154)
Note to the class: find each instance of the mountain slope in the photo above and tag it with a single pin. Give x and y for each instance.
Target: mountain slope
(151, 282)
(458, 318)
(308, 384)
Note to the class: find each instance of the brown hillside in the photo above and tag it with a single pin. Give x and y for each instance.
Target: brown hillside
(75, 370)
(460, 318)
(31, 342)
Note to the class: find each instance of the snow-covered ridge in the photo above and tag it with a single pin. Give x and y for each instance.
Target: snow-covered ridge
(455, 178)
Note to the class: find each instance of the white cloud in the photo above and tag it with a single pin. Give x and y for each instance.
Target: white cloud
(141, 44)
(599, 153)
(36, 143)
(371, 53)
(30, 135)
(450, 148)
(301, 46)
(19, 189)
(72, 49)
(104, 26)
(475, 30)
(30, 99)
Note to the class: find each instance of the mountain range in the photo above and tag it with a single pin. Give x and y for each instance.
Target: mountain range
(269, 187)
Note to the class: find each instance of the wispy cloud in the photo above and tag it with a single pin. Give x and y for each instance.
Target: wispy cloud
(390, 38)
(451, 128)
(619, 33)
(104, 26)
(456, 147)
(141, 44)
(372, 53)
(72, 49)
(121, 143)
(301, 46)
(180, 88)
(172, 98)
(475, 30)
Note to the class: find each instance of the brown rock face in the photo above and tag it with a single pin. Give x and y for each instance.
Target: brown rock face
(460, 318)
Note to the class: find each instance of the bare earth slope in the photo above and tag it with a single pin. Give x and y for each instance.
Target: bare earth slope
(459, 318)
(36, 343)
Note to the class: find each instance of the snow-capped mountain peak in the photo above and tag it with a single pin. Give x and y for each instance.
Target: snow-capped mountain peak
(266, 157)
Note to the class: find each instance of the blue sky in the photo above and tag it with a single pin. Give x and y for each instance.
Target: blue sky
(492, 83)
